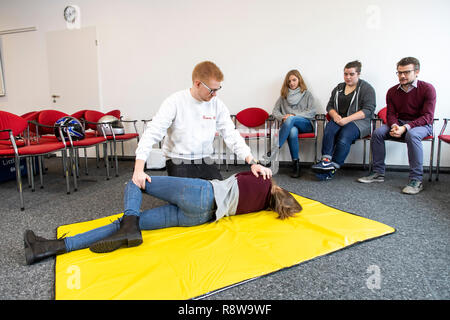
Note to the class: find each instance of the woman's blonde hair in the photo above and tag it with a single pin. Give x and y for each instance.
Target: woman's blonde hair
(282, 202)
(206, 70)
(285, 86)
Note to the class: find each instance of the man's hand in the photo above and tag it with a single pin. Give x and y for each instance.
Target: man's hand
(139, 176)
(259, 169)
(397, 131)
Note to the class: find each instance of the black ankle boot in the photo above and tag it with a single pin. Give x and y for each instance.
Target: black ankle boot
(295, 168)
(38, 248)
(128, 235)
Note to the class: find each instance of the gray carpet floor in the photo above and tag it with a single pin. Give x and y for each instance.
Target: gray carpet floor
(413, 262)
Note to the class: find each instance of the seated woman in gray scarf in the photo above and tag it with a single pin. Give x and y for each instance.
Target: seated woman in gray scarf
(295, 110)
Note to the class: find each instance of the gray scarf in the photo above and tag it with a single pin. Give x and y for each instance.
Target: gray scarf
(294, 96)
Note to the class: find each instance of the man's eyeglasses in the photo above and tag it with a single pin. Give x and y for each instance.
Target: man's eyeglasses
(399, 73)
(211, 91)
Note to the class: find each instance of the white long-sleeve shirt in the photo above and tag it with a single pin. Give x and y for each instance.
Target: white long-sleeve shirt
(190, 127)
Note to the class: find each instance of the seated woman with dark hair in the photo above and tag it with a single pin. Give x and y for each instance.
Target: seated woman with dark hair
(350, 109)
(191, 202)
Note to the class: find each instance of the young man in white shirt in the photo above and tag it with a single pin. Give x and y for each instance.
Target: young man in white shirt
(189, 119)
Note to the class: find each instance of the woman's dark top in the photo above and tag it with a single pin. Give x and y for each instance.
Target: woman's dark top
(254, 193)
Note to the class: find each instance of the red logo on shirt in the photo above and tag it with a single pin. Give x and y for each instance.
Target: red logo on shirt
(209, 118)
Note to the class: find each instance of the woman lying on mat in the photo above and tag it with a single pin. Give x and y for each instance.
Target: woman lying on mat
(191, 202)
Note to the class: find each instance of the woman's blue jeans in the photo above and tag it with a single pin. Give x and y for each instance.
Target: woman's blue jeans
(290, 129)
(337, 141)
(191, 202)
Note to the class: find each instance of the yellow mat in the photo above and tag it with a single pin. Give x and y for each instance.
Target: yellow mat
(184, 263)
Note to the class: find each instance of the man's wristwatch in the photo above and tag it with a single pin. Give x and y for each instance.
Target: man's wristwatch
(253, 161)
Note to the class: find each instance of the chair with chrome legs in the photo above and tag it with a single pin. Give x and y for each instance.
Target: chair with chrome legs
(441, 138)
(10, 127)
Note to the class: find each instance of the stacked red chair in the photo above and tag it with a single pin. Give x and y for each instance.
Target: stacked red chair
(11, 126)
(92, 117)
(47, 117)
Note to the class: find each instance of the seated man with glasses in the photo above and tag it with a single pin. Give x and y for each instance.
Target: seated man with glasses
(189, 120)
(410, 113)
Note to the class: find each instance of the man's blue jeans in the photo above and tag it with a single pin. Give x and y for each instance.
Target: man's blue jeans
(337, 141)
(413, 139)
(191, 202)
(290, 129)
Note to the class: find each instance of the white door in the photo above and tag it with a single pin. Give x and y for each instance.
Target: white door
(73, 69)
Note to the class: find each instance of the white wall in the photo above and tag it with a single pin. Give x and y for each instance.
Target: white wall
(149, 48)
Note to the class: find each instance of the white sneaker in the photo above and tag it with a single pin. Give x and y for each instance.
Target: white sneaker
(374, 177)
(413, 187)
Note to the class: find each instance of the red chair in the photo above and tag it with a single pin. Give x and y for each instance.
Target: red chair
(382, 114)
(79, 114)
(116, 113)
(364, 139)
(253, 119)
(31, 116)
(12, 125)
(92, 118)
(49, 117)
(441, 138)
(124, 137)
(308, 136)
(94, 114)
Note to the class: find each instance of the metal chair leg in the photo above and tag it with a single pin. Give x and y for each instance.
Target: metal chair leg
(66, 170)
(77, 166)
(30, 172)
(105, 154)
(74, 170)
(431, 160)
(115, 156)
(27, 163)
(41, 177)
(85, 162)
(97, 156)
(438, 160)
(19, 182)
